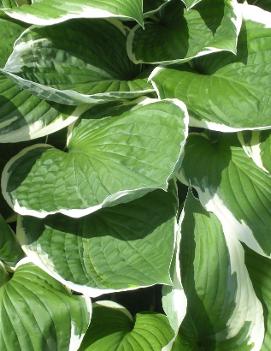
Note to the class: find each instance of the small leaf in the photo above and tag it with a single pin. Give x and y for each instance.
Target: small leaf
(113, 328)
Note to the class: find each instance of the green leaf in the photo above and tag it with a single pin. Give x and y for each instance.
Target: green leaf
(223, 312)
(259, 269)
(53, 64)
(110, 160)
(10, 250)
(37, 313)
(10, 31)
(234, 91)
(48, 12)
(119, 248)
(231, 186)
(179, 35)
(113, 328)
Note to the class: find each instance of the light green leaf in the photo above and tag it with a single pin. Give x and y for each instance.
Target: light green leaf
(48, 12)
(231, 186)
(224, 92)
(265, 4)
(10, 250)
(53, 64)
(113, 328)
(37, 313)
(119, 248)
(223, 312)
(110, 160)
(179, 35)
(259, 269)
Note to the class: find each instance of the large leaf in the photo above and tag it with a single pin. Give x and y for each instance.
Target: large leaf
(224, 92)
(76, 62)
(37, 313)
(118, 248)
(109, 161)
(10, 250)
(259, 269)
(231, 186)
(223, 312)
(22, 115)
(178, 35)
(113, 328)
(48, 12)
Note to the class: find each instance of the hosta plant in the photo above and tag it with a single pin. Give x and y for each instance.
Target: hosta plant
(135, 204)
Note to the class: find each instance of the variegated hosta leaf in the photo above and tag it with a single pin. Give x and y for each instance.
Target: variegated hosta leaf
(231, 186)
(37, 313)
(4, 276)
(48, 12)
(223, 312)
(54, 64)
(259, 269)
(109, 161)
(178, 35)
(10, 250)
(224, 92)
(22, 115)
(119, 248)
(257, 145)
(113, 328)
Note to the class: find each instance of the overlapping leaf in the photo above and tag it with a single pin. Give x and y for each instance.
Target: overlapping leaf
(113, 328)
(178, 34)
(224, 92)
(119, 248)
(231, 186)
(22, 115)
(37, 313)
(110, 160)
(10, 250)
(223, 312)
(48, 12)
(257, 145)
(54, 64)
